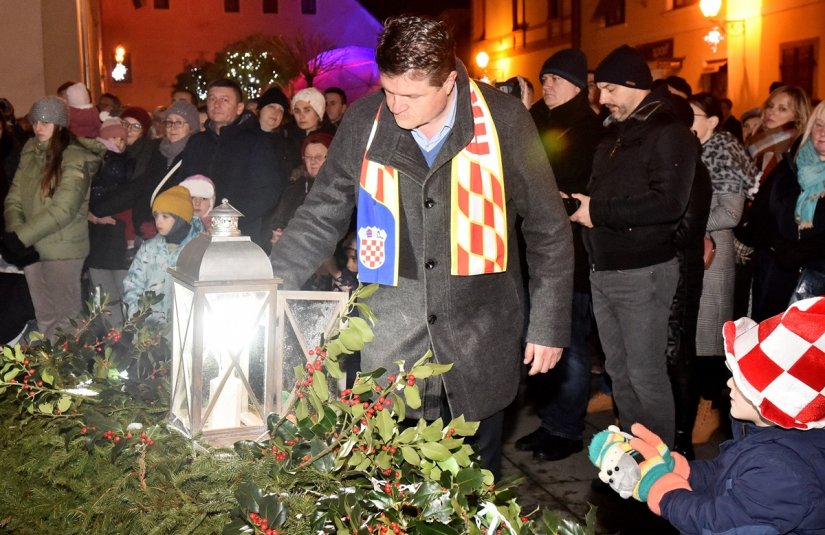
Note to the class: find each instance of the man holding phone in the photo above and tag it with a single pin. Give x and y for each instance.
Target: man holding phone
(570, 132)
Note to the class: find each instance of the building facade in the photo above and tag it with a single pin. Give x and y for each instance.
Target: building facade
(762, 40)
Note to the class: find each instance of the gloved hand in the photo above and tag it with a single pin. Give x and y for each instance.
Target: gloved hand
(616, 460)
(14, 252)
(659, 475)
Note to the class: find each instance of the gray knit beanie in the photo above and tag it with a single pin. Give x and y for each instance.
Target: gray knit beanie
(50, 110)
(188, 112)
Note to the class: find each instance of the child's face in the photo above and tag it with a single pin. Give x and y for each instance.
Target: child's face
(201, 205)
(742, 409)
(164, 222)
(119, 142)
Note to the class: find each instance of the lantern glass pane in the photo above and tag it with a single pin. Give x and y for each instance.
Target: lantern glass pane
(182, 348)
(307, 320)
(234, 363)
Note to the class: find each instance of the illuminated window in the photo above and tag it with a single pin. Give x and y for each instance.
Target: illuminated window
(270, 6)
(308, 7)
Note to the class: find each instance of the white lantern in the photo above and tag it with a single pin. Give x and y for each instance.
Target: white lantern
(223, 342)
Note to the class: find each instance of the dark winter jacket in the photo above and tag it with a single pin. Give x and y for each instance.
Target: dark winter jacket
(642, 175)
(766, 481)
(56, 226)
(570, 134)
(474, 323)
(246, 167)
(107, 243)
(781, 247)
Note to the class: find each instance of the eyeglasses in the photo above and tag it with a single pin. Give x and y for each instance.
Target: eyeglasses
(315, 159)
(133, 126)
(699, 115)
(175, 124)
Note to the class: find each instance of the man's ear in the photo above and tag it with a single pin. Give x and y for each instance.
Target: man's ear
(450, 81)
(240, 108)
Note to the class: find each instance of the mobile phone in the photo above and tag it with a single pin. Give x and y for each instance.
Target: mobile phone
(571, 205)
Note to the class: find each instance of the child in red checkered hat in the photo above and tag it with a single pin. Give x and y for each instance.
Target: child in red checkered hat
(770, 478)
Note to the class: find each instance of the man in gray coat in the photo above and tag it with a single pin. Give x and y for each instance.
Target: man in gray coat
(438, 167)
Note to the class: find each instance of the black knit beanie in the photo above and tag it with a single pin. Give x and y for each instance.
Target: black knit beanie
(570, 64)
(624, 66)
(274, 95)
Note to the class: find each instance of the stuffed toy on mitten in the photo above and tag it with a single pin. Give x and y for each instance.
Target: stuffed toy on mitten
(662, 470)
(617, 461)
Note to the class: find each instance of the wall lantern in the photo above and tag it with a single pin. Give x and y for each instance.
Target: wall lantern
(710, 9)
(121, 72)
(223, 340)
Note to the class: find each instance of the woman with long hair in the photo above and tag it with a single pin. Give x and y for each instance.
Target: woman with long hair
(45, 213)
(784, 115)
(788, 224)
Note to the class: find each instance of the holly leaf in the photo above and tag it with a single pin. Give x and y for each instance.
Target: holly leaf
(410, 456)
(364, 292)
(351, 339)
(362, 328)
(46, 408)
(468, 480)
(412, 396)
(386, 425)
(319, 386)
(432, 528)
(435, 451)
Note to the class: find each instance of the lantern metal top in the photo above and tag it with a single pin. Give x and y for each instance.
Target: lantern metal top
(225, 220)
(224, 255)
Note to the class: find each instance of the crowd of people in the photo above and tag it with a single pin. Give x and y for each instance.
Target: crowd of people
(646, 209)
(81, 184)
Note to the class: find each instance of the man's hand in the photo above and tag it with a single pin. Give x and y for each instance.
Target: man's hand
(543, 358)
(582, 215)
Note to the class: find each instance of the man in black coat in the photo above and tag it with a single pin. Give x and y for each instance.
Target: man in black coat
(639, 189)
(570, 132)
(419, 132)
(237, 155)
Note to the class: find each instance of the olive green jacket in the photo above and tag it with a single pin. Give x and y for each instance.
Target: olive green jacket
(55, 225)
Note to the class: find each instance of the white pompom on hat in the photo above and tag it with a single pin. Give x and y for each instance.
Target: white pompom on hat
(779, 364)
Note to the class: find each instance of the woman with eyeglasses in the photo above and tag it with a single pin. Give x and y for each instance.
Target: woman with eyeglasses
(181, 120)
(313, 154)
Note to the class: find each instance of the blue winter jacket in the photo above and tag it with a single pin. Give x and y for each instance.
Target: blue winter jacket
(148, 272)
(766, 481)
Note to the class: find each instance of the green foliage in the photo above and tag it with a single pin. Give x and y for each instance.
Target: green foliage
(107, 463)
(259, 61)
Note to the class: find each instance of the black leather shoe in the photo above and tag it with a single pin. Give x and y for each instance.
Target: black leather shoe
(557, 448)
(533, 440)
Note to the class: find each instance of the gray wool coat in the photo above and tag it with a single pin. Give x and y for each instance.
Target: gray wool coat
(476, 323)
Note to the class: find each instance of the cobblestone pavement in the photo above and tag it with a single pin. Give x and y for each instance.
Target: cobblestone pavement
(565, 485)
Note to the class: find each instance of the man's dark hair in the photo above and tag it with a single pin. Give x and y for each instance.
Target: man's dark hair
(184, 90)
(726, 101)
(114, 98)
(337, 91)
(227, 82)
(413, 43)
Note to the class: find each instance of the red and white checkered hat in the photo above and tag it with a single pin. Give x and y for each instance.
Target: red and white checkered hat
(779, 364)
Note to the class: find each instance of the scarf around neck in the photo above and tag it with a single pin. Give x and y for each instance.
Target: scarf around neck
(478, 229)
(767, 147)
(811, 178)
(170, 149)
